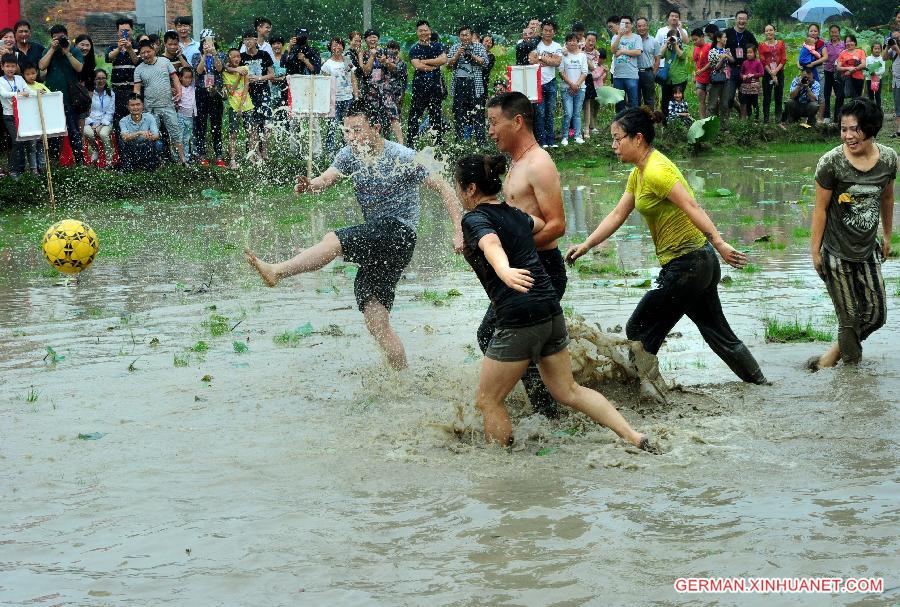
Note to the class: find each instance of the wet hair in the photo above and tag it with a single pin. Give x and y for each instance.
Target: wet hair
(639, 120)
(22, 23)
(697, 32)
(869, 117)
(363, 107)
(571, 36)
(514, 104)
(9, 58)
(124, 21)
(481, 169)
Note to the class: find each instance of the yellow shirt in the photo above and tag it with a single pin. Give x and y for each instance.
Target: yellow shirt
(238, 84)
(673, 232)
(38, 86)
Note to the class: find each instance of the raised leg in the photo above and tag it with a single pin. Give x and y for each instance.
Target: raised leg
(308, 260)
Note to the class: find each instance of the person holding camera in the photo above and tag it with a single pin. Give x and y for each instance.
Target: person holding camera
(123, 57)
(62, 63)
(678, 72)
(803, 99)
(301, 58)
(466, 60)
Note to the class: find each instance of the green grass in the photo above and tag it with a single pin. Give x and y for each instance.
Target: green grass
(32, 396)
(780, 331)
(217, 325)
(437, 298)
(800, 233)
(200, 346)
(179, 361)
(590, 267)
(751, 268)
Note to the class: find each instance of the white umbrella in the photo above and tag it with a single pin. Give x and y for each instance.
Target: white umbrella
(817, 11)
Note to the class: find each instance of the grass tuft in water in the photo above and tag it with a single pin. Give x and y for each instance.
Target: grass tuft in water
(200, 346)
(780, 331)
(217, 325)
(179, 361)
(437, 298)
(800, 233)
(751, 268)
(240, 347)
(32, 396)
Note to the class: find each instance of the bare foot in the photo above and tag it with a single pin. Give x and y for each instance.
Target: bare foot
(266, 270)
(645, 445)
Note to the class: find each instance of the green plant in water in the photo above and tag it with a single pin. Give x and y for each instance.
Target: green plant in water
(179, 361)
(783, 332)
(239, 347)
(217, 325)
(292, 338)
(800, 233)
(32, 396)
(437, 298)
(199, 347)
(53, 356)
(751, 268)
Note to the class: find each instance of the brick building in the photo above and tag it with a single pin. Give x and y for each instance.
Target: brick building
(97, 18)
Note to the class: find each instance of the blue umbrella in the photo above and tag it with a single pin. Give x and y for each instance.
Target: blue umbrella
(817, 11)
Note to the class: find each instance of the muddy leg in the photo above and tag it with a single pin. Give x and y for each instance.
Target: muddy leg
(378, 322)
(308, 260)
(496, 381)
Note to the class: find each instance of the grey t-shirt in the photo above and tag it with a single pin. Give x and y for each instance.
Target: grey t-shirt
(650, 50)
(388, 187)
(851, 223)
(156, 84)
(627, 66)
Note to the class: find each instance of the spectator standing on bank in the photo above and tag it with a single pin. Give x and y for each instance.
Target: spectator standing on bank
(187, 111)
(34, 150)
(260, 72)
(739, 38)
(26, 51)
(851, 64)
(428, 87)
(626, 47)
(873, 84)
(834, 83)
(573, 71)
(395, 78)
(773, 55)
(278, 86)
(344, 88)
(12, 85)
(673, 22)
(751, 72)
(720, 58)
(189, 46)
(596, 79)
(529, 41)
(548, 55)
(466, 60)
(172, 51)
(893, 53)
(62, 63)
(702, 68)
(123, 57)
(487, 41)
(818, 47)
(208, 67)
(301, 57)
(648, 64)
(263, 27)
(156, 79)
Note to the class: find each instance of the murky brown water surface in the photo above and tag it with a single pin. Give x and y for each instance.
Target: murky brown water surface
(259, 468)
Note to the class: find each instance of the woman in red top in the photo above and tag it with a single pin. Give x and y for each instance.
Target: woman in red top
(851, 64)
(701, 68)
(773, 55)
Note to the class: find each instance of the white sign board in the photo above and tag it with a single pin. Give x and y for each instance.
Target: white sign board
(311, 95)
(525, 79)
(25, 109)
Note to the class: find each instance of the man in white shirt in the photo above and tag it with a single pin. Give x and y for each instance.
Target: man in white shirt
(548, 55)
(673, 22)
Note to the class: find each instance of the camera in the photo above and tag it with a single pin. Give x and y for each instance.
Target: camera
(804, 81)
(124, 34)
(891, 42)
(63, 42)
(671, 41)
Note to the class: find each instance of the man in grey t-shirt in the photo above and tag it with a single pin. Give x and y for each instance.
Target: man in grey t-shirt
(386, 177)
(626, 47)
(156, 80)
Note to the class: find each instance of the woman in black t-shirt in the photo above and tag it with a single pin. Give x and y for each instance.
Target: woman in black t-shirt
(530, 325)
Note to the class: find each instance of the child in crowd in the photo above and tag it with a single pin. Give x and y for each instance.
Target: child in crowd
(875, 69)
(34, 150)
(11, 86)
(99, 123)
(808, 52)
(187, 110)
(752, 71)
(573, 71)
(501, 85)
(596, 58)
(678, 108)
(239, 103)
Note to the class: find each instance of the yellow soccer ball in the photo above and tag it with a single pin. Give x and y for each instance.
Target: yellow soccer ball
(70, 246)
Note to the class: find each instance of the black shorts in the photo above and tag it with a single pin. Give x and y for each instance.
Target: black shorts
(382, 247)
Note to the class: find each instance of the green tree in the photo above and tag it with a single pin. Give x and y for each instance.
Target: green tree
(771, 11)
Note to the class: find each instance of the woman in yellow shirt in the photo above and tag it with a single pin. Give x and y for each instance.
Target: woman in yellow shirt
(685, 239)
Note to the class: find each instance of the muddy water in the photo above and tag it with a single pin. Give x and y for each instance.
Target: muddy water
(303, 473)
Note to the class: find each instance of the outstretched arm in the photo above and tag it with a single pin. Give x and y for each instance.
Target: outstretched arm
(607, 227)
(317, 184)
(518, 280)
(684, 201)
(447, 194)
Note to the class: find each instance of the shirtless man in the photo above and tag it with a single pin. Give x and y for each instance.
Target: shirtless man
(386, 179)
(533, 186)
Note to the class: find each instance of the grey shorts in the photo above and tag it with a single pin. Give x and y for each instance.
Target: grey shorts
(529, 343)
(701, 86)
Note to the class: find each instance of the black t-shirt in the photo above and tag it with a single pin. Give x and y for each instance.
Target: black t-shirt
(513, 227)
(426, 81)
(122, 67)
(34, 54)
(259, 65)
(735, 40)
(524, 48)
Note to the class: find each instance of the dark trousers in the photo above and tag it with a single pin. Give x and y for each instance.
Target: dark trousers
(751, 103)
(209, 108)
(74, 134)
(839, 96)
(857, 290)
(16, 149)
(831, 84)
(139, 155)
(537, 392)
(853, 87)
(468, 111)
(689, 285)
(768, 90)
(422, 101)
(647, 89)
(794, 110)
(734, 85)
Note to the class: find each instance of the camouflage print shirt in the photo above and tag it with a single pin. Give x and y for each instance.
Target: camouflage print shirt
(851, 223)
